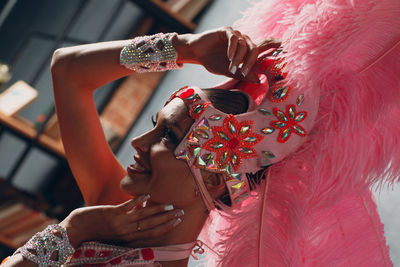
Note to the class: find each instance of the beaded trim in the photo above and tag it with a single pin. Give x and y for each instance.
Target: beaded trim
(100, 254)
(42, 245)
(152, 53)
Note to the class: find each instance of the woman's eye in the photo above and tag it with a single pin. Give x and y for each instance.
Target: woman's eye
(153, 121)
(170, 136)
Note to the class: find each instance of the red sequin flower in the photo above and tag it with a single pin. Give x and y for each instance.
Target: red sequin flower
(232, 142)
(288, 123)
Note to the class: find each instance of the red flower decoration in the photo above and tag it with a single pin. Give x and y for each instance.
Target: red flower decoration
(288, 123)
(232, 142)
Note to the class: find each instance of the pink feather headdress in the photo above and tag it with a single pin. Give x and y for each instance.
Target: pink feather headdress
(275, 125)
(315, 207)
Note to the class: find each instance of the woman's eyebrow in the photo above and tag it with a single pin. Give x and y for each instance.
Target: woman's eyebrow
(173, 123)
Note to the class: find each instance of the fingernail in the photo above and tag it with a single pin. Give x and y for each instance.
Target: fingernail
(233, 70)
(168, 207)
(230, 56)
(245, 71)
(177, 221)
(179, 213)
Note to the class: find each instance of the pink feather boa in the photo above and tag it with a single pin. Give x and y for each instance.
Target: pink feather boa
(317, 209)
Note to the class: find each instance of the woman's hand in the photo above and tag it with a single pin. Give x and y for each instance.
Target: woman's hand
(224, 51)
(126, 222)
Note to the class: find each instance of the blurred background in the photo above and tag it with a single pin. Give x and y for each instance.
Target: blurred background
(36, 186)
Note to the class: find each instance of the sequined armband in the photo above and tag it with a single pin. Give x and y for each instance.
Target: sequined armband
(150, 53)
(42, 245)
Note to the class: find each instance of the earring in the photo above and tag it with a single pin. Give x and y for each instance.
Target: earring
(197, 192)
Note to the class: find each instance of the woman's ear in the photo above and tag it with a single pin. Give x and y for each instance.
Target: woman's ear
(214, 182)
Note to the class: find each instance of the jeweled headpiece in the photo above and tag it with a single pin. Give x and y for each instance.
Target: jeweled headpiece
(276, 123)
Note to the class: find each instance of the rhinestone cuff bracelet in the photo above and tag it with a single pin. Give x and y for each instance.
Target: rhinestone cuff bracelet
(42, 245)
(150, 53)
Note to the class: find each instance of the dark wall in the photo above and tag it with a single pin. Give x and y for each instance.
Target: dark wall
(29, 35)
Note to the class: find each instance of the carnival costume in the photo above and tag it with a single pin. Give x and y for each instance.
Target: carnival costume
(326, 130)
(323, 132)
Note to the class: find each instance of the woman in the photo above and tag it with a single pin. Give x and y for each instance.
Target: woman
(77, 72)
(315, 202)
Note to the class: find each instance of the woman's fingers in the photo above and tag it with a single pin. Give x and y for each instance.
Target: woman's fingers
(155, 231)
(249, 61)
(239, 55)
(268, 44)
(232, 43)
(243, 54)
(154, 221)
(123, 224)
(132, 203)
(140, 214)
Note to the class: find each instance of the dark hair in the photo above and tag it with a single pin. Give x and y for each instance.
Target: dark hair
(230, 102)
(233, 102)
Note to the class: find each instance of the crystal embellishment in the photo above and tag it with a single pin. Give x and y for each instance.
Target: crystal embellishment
(269, 154)
(265, 111)
(203, 134)
(203, 125)
(245, 150)
(223, 135)
(250, 139)
(197, 110)
(279, 93)
(244, 129)
(300, 100)
(268, 130)
(215, 117)
(217, 145)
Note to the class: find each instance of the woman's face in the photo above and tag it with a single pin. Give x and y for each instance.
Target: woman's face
(156, 171)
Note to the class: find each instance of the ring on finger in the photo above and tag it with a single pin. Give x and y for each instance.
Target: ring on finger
(138, 226)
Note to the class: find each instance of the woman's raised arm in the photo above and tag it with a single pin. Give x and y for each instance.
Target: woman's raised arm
(78, 71)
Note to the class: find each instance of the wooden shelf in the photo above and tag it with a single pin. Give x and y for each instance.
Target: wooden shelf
(178, 14)
(18, 223)
(21, 216)
(27, 130)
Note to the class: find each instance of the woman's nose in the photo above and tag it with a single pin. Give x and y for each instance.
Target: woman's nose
(142, 142)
